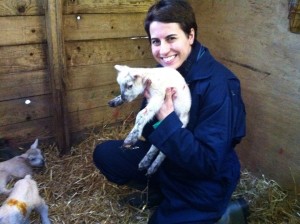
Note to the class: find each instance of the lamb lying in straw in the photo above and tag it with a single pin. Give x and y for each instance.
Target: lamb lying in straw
(20, 166)
(133, 82)
(23, 198)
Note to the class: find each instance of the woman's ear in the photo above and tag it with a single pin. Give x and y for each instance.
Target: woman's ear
(191, 36)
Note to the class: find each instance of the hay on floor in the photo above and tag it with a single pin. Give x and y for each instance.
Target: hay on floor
(77, 193)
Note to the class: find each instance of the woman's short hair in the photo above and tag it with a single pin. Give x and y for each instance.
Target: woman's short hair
(172, 11)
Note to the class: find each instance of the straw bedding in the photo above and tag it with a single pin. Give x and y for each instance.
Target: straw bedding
(77, 193)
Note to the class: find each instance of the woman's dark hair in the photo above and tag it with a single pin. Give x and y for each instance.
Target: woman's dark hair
(172, 11)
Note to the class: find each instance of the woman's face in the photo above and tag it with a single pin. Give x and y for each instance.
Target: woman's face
(170, 45)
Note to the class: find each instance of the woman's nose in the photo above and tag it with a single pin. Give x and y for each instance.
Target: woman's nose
(164, 48)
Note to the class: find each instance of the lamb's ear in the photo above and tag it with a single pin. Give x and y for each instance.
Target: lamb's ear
(35, 144)
(121, 67)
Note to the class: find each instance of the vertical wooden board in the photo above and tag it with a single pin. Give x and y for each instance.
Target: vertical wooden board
(24, 7)
(106, 51)
(106, 6)
(294, 17)
(58, 71)
(252, 39)
(101, 26)
(22, 58)
(17, 30)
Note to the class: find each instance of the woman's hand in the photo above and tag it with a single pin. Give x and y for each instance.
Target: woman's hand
(168, 106)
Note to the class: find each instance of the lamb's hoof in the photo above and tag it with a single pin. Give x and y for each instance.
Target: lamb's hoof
(112, 103)
(143, 165)
(128, 142)
(151, 170)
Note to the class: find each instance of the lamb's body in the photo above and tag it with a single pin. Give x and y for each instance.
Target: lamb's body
(23, 199)
(133, 82)
(19, 166)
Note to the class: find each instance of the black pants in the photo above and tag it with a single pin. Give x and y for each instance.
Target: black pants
(120, 165)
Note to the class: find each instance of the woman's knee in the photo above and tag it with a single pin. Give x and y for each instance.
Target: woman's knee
(103, 152)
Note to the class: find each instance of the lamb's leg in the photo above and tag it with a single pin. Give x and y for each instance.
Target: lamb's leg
(117, 101)
(156, 163)
(4, 179)
(148, 158)
(142, 118)
(42, 209)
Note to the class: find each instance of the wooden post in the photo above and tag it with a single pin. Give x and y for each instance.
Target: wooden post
(58, 71)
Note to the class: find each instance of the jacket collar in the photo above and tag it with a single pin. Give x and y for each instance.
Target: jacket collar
(198, 65)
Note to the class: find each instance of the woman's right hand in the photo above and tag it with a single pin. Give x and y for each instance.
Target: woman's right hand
(168, 106)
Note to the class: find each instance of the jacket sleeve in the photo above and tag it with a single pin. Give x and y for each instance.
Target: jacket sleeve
(200, 151)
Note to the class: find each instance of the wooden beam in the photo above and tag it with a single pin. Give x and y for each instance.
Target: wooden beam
(58, 70)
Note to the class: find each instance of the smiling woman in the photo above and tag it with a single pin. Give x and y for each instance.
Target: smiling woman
(201, 168)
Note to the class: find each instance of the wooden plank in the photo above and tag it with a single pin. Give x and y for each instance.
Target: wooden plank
(106, 6)
(17, 7)
(22, 30)
(88, 98)
(99, 75)
(22, 58)
(20, 85)
(295, 19)
(28, 131)
(17, 111)
(100, 26)
(58, 70)
(107, 51)
(81, 120)
(252, 38)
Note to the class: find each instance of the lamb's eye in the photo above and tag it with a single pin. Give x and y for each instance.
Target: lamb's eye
(129, 86)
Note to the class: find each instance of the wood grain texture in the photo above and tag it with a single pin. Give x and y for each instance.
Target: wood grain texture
(101, 26)
(252, 38)
(16, 30)
(80, 77)
(21, 7)
(101, 51)
(89, 119)
(16, 111)
(57, 71)
(24, 132)
(106, 6)
(23, 58)
(24, 84)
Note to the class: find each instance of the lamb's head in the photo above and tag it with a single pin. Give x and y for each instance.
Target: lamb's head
(34, 155)
(130, 81)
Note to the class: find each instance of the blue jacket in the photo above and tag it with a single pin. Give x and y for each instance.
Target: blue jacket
(201, 170)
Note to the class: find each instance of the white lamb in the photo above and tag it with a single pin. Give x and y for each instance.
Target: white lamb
(133, 82)
(22, 200)
(20, 166)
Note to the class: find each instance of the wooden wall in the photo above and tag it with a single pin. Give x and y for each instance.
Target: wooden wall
(252, 38)
(72, 66)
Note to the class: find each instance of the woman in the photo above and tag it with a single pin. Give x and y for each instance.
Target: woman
(201, 169)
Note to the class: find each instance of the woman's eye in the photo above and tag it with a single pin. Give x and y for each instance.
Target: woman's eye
(155, 42)
(170, 39)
